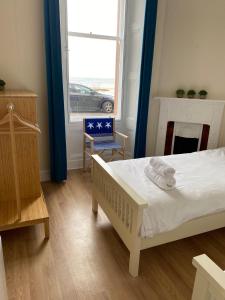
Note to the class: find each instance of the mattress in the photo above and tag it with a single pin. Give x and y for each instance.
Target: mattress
(200, 189)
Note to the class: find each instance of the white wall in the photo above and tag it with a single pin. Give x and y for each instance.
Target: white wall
(22, 57)
(190, 53)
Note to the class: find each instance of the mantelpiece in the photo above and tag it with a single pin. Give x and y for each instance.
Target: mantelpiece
(189, 111)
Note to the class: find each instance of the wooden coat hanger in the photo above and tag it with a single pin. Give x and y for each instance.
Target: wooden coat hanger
(11, 114)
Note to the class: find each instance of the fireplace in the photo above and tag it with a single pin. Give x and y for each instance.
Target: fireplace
(187, 125)
(186, 137)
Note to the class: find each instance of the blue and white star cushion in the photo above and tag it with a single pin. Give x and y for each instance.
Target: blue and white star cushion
(99, 127)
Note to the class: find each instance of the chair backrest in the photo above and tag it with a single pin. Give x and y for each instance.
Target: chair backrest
(209, 280)
(99, 127)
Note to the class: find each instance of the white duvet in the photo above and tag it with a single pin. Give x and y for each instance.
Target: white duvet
(200, 189)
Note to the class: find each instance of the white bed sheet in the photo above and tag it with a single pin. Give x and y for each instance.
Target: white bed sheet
(200, 189)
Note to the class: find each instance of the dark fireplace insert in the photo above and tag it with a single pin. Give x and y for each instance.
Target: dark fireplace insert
(184, 144)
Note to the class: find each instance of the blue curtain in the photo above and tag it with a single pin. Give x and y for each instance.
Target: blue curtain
(57, 134)
(145, 79)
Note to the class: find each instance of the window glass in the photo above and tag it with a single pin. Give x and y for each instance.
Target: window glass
(95, 55)
(95, 16)
(92, 69)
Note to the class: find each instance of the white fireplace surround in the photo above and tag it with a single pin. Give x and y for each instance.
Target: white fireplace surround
(184, 111)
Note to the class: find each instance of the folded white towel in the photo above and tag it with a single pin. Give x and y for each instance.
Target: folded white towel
(164, 182)
(161, 167)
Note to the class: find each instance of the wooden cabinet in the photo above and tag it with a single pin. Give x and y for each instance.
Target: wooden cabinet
(21, 200)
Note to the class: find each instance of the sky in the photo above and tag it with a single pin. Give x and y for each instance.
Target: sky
(90, 58)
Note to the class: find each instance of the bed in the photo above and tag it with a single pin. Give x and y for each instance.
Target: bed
(145, 216)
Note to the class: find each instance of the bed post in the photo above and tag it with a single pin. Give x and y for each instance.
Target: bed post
(134, 262)
(136, 243)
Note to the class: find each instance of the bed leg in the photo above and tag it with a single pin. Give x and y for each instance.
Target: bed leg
(134, 262)
(94, 205)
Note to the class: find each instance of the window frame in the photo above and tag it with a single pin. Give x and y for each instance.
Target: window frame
(119, 68)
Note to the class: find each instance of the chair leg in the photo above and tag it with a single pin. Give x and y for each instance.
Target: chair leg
(113, 154)
(92, 163)
(123, 153)
(101, 153)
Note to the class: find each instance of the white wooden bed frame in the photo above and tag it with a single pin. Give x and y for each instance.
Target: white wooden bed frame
(209, 280)
(124, 208)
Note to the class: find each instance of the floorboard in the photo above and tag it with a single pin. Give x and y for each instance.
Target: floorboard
(85, 258)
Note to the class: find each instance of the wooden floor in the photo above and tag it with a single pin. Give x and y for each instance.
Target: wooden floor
(85, 259)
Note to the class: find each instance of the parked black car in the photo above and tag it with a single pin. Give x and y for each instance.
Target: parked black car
(84, 99)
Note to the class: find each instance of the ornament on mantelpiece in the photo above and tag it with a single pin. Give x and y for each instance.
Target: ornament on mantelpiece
(203, 94)
(180, 93)
(191, 94)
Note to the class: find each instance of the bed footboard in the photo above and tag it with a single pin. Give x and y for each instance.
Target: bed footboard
(209, 280)
(122, 205)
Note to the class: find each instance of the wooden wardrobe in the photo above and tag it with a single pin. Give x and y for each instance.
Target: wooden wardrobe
(22, 202)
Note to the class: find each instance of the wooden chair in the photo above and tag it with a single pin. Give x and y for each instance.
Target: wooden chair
(209, 280)
(99, 135)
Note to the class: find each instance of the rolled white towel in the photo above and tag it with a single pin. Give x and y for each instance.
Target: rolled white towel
(164, 182)
(161, 167)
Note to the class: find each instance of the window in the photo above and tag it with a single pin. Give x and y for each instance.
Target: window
(95, 42)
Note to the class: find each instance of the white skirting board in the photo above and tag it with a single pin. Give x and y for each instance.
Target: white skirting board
(75, 164)
(45, 175)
